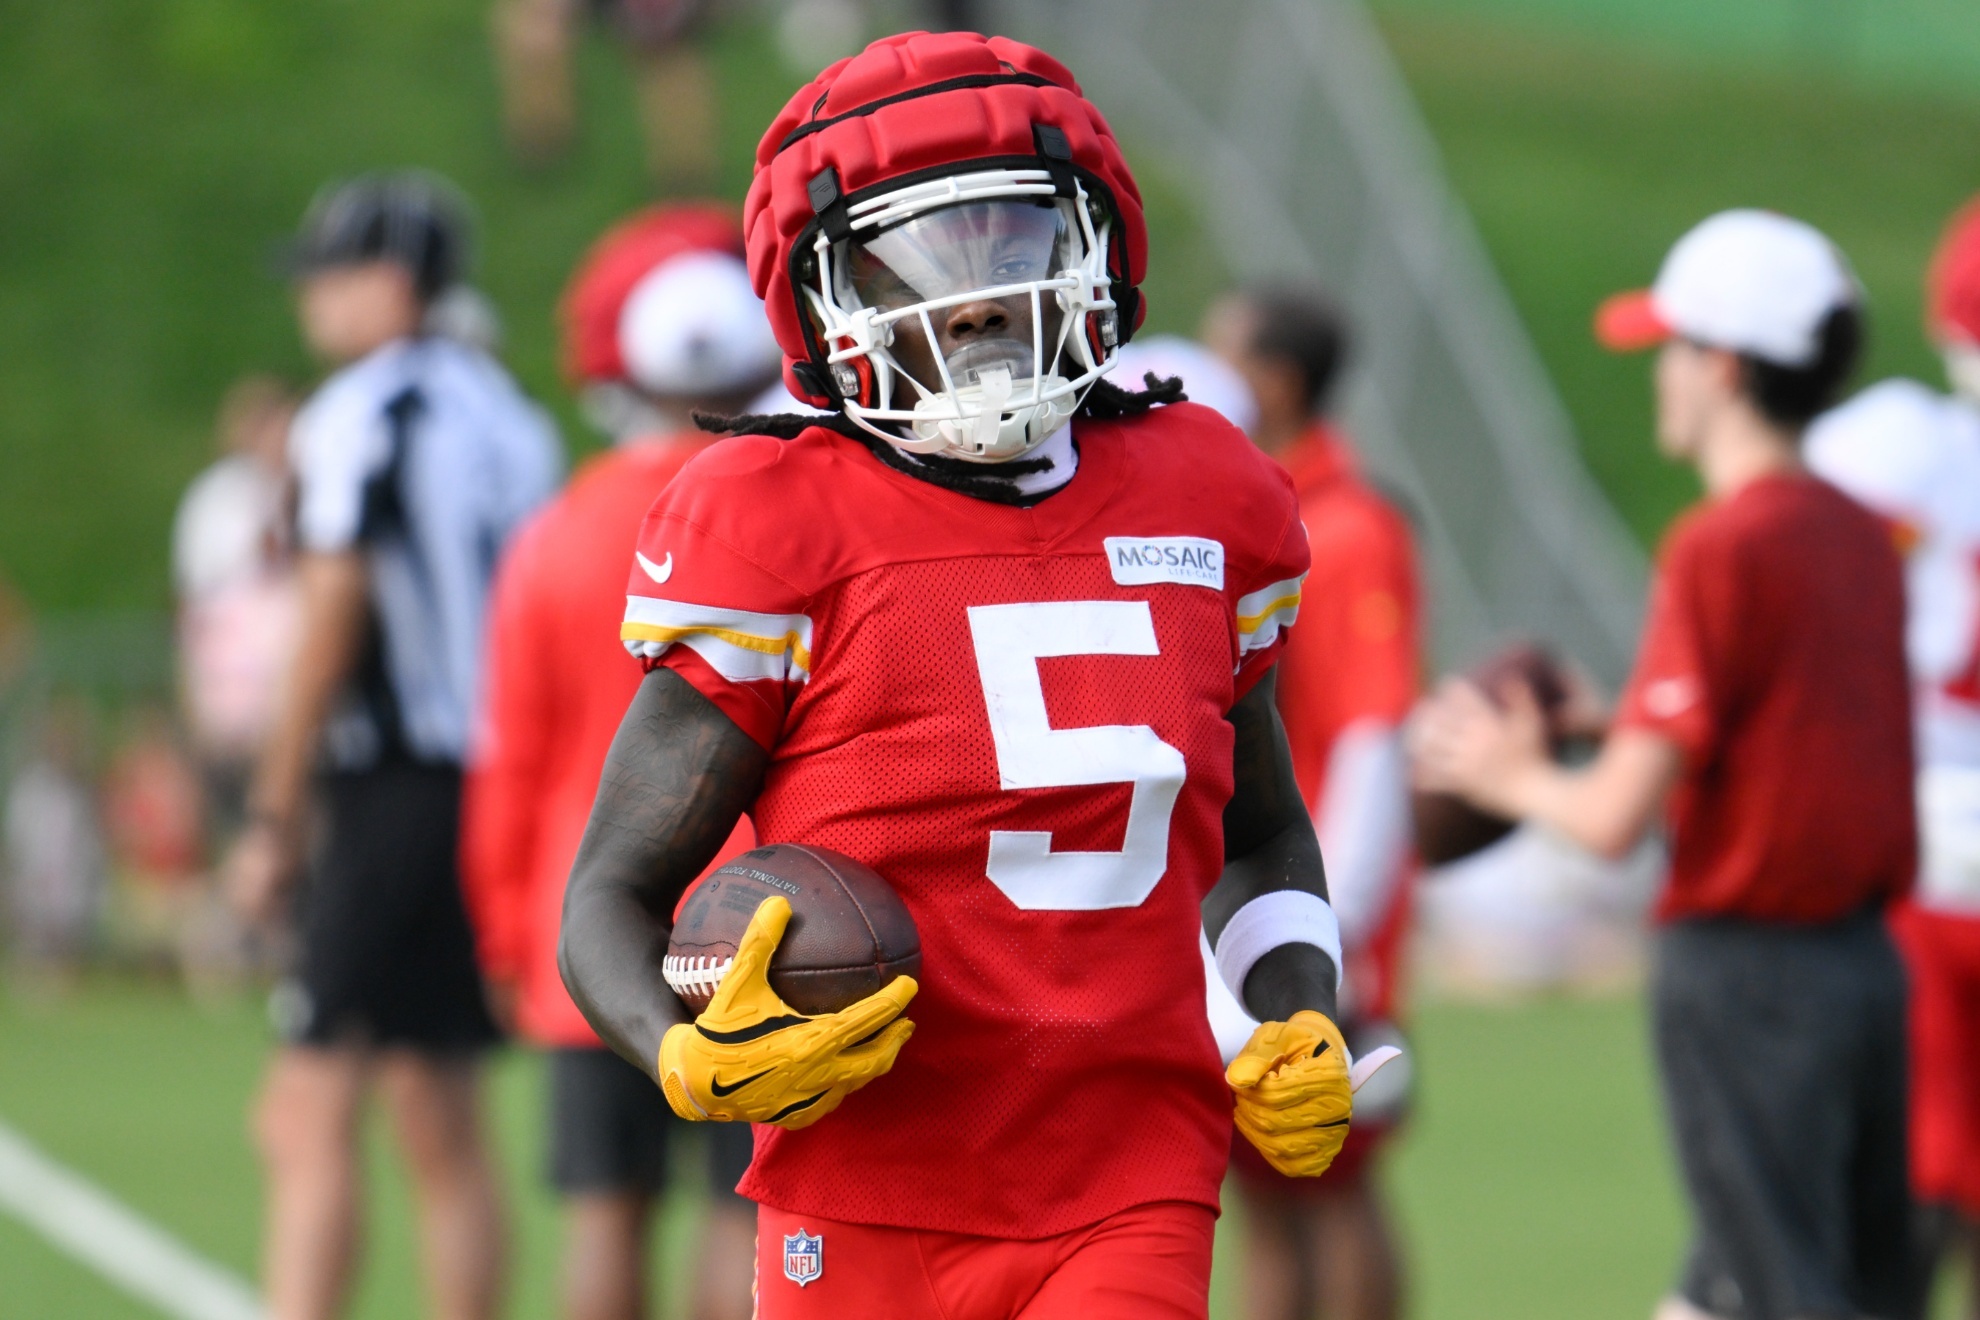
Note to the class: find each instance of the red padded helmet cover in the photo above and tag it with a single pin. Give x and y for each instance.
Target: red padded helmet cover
(873, 143)
(617, 262)
(1953, 287)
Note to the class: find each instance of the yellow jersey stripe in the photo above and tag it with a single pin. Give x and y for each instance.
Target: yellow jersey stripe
(1249, 623)
(666, 635)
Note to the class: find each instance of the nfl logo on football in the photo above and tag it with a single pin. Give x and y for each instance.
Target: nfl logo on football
(804, 1256)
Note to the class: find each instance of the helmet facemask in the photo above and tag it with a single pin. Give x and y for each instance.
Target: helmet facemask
(967, 316)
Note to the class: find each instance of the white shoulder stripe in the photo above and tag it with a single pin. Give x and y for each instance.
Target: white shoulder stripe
(740, 645)
(1261, 613)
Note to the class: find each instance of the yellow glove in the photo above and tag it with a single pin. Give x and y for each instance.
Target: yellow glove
(1293, 1093)
(751, 1058)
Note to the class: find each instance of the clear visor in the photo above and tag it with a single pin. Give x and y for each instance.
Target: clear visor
(958, 250)
(966, 326)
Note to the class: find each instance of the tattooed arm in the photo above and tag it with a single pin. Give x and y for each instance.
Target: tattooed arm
(1269, 844)
(678, 776)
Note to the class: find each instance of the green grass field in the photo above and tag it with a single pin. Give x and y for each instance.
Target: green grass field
(1533, 1185)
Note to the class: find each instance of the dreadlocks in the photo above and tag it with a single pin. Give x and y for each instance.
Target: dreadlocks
(994, 483)
(1107, 402)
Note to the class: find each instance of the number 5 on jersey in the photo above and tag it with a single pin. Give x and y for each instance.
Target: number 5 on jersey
(1010, 640)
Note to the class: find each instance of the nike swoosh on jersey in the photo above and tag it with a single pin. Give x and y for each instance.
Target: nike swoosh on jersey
(715, 1084)
(658, 572)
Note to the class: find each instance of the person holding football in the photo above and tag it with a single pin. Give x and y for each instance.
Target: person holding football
(1770, 708)
(1004, 632)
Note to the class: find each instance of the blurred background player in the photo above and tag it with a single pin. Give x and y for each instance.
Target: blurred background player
(1323, 1247)
(233, 569)
(1770, 704)
(234, 577)
(1912, 456)
(414, 463)
(534, 42)
(55, 852)
(659, 321)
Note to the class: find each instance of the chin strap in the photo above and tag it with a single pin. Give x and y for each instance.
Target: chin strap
(996, 385)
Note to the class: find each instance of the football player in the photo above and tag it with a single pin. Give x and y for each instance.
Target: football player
(1912, 455)
(659, 320)
(1347, 681)
(1004, 632)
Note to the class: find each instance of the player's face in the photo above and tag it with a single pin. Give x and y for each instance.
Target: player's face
(347, 311)
(958, 250)
(1230, 330)
(1685, 398)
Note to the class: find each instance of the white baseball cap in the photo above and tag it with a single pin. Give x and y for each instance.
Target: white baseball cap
(1207, 379)
(693, 325)
(1747, 281)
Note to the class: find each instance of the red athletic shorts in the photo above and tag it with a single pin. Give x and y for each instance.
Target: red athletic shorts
(1942, 953)
(1151, 1262)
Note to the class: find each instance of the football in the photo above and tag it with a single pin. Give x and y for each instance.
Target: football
(850, 934)
(1448, 828)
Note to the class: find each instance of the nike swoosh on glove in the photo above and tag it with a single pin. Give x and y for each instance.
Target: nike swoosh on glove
(1293, 1092)
(751, 1058)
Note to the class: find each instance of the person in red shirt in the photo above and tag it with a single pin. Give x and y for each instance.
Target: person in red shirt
(659, 320)
(1347, 681)
(1769, 714)
(1004, 632)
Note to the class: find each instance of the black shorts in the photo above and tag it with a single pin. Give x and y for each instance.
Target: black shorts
(610, 1129)
(1782, 1051)
(386, 957)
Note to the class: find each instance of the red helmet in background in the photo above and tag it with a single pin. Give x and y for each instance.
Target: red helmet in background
(662, 302)
(1952, 288)
(945, 166)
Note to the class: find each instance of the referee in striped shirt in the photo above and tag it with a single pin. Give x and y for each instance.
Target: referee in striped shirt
(414, 462)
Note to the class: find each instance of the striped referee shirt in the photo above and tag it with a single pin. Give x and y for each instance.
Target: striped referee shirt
(424, 457)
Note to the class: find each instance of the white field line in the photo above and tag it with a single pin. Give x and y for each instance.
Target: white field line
(104, 1234)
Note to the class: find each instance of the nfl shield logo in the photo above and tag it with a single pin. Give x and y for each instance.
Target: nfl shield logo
(804, 1256)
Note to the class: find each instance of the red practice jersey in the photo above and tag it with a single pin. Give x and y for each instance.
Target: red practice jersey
(556, 688)
(1352, 661)
(1774, 659)
(1016, 715)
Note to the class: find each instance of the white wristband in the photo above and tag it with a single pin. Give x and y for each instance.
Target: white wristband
(1284, 916)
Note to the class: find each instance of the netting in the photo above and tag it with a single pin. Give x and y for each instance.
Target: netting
(1306, 158)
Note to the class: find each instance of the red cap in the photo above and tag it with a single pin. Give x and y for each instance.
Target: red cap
(596, 297)
(1952, 288)
(1627, 322)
